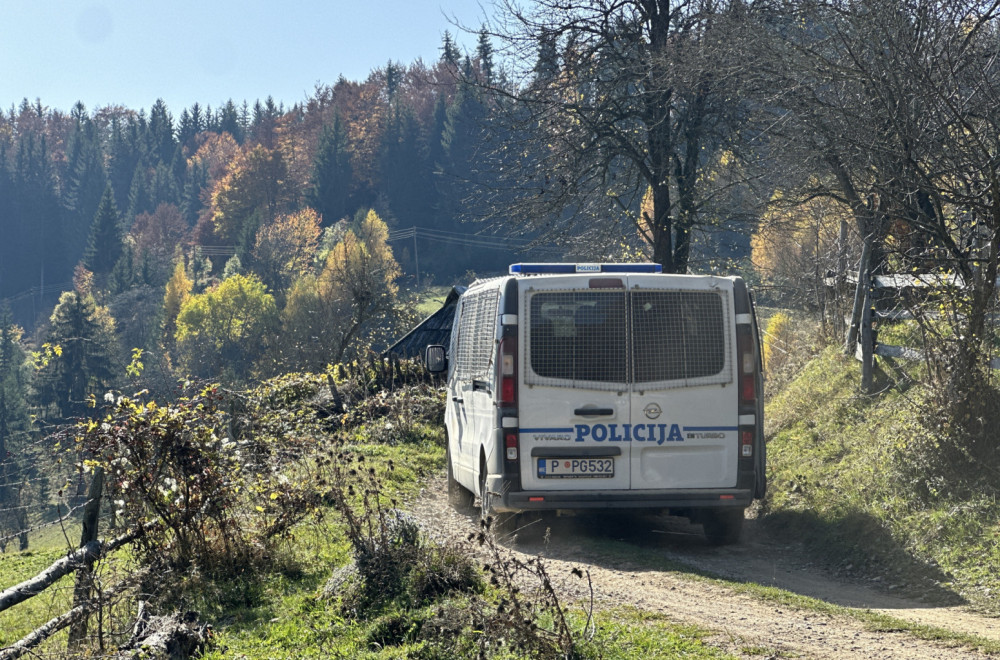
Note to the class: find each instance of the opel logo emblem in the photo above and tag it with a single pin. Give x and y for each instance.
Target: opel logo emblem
(652, 411)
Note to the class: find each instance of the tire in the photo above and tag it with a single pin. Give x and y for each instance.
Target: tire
(723, 526)
(760, 472)
(459, 496)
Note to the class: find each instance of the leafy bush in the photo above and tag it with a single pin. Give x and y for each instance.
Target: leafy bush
(211, 495)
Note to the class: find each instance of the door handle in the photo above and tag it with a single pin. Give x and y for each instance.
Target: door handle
(457, 400)
(594, 412)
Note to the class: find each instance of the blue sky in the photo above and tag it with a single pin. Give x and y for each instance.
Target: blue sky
(131, 52)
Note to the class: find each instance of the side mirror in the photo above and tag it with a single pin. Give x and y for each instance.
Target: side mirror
(435, 359)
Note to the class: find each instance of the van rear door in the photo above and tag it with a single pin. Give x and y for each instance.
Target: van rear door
(573, 401)
(684, 403)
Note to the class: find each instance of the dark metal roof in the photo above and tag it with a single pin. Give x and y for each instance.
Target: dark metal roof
(435, 329)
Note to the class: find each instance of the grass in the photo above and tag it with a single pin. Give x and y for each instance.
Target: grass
(429, 300)
(288, 616)
(865, 482)
(15, 567)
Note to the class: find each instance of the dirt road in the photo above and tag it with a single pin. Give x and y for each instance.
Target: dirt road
(654, 563)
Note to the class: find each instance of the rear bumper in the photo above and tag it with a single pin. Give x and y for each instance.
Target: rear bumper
(622, 499)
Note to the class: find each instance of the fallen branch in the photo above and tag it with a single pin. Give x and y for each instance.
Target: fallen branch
(89, 553)
(56, 624)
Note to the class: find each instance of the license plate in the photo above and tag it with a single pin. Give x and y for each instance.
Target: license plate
(575, 467)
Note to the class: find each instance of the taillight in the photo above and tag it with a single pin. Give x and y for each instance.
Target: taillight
(747, 365)
(510, 444)
(746, 443)
(507, 367)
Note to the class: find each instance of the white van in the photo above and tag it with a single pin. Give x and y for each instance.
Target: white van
(606, 386)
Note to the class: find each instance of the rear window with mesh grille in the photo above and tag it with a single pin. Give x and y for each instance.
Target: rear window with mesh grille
(677, 335)
(579, 336)
(601, 339)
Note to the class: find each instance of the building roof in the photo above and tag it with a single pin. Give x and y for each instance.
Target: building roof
(435, 329)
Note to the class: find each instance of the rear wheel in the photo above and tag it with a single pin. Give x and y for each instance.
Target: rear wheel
(459, 496)
(723, 526)
(760, 482)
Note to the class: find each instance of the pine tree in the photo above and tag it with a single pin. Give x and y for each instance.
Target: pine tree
(140, 199)
(547, 64)
(15, 424)
(84, 364)
(124, 155)
(332, 174)
(85, 176)
(484, 51)
(449, 51)
(161, 133)
(105, 244)
(404, 169)
(229, 121)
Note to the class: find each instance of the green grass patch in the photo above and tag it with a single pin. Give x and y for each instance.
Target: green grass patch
(429, 300)
(15, 567)
(867, 486)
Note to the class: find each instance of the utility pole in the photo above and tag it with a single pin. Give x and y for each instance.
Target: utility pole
(416, 257)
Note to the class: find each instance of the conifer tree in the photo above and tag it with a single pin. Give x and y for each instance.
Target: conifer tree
(15, 424)
(85, 177)
(449, 51)
(84, 364)
(105, 244)
(161, 133)
(229, 121)
(484, 51)
(331, 176)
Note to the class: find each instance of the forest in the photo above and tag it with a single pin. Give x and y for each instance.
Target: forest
(818, 149)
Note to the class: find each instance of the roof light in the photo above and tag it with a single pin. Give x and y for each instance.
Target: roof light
(565, 269)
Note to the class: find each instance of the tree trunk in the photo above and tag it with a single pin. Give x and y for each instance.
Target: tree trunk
(660, 228)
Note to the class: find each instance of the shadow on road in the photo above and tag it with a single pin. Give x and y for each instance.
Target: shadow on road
(768, 555)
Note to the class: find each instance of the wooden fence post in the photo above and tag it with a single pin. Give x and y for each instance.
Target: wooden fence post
(867, 344)
(84, 577)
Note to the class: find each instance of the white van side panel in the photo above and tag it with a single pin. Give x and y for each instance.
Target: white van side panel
(471, 381)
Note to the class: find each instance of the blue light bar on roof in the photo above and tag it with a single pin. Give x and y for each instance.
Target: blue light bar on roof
(565, 269)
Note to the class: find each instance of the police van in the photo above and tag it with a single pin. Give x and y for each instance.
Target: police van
(606, 386)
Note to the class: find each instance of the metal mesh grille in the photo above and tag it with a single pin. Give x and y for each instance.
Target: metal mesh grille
(679, 336)
(476, 334)
(581, 339)
(578, 336)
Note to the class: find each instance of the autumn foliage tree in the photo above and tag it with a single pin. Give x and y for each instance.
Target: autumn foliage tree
(225, 329)
(178, 290)
(797, 245)
(284, 249)
(157, 236)
(328, 316)
(253, 192)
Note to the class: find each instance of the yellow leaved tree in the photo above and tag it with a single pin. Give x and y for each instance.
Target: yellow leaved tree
(797, 245)
(223, 331)
(338, 313)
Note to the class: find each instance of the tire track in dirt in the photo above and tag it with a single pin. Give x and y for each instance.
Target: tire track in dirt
(648, 562)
